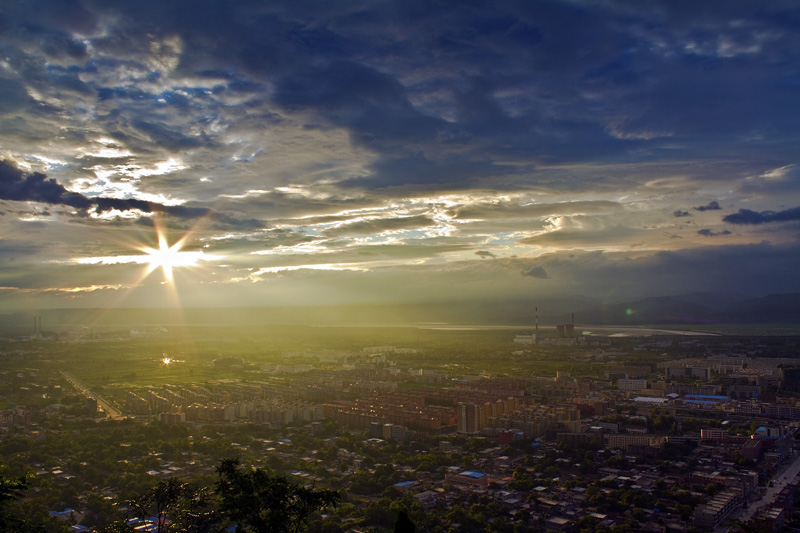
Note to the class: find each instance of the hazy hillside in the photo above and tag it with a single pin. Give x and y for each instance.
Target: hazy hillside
(707, 308)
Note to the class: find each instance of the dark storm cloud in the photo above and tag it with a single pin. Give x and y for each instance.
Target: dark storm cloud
(710, 206)
(483, 254)
(747, 216)
(420, 172)
(371, 104)
(12, 95)
(563, 51)
(60, 46)
(537, 271)
(447, 95)
(37, 187)
(680, 214)
(705, 232)
(756, 269)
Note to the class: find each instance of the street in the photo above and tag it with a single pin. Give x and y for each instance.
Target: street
(778, 483)
(108, 409)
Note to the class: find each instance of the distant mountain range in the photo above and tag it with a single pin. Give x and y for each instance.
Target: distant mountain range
(704, 308)
(696, 308)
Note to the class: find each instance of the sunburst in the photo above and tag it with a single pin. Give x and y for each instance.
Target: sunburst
(169, 257)
(165, 257)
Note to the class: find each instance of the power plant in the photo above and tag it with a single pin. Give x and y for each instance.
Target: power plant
(565, 333)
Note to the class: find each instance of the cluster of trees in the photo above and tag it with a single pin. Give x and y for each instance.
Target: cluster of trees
(250, 499)
(11, 488)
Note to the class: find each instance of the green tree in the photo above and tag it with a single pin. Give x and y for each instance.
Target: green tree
(10, 489)
(177, 506)
(259, 502)
(403, 523)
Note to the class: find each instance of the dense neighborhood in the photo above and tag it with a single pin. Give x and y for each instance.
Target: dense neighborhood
(701, 438)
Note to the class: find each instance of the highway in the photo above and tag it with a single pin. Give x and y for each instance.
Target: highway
(108, 409)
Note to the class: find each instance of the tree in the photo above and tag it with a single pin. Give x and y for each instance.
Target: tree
(259, 502)
(10, 489)
(403, 523)
(177, 506)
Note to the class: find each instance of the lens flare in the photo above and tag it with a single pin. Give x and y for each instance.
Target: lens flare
(168, 257)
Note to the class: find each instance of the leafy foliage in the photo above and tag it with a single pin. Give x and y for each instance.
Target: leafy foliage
(10, 489)
(177, 506)
(259, 502)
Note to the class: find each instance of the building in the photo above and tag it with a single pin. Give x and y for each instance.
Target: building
(718, 508)
(752, 449)
(427, 498)
(631, 384)
(688, 372)
(622, 442)
(469, 418)
(172, 418)
(468, 479)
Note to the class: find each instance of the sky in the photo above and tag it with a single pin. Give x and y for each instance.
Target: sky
(217, 153)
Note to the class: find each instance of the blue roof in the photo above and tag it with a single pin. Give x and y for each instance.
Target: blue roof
(705, 397)
(404, 483)
(470, 473)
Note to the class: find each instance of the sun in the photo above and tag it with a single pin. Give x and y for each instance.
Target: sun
(168, 257)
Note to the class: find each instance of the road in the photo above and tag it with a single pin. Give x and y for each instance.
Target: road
(108, 409)
(778, 483)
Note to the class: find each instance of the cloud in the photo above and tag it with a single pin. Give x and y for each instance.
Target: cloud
(711, 206)
(536, 272)
(508, 209)
(444, 133)
(12, 95)
(12, 249)
(590, 238)
(380, 225)
(709, 233)
(747, 216)
(370, 103)
(779, 181)
(37, 187)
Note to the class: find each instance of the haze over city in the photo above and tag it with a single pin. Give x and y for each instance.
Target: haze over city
(165, 154)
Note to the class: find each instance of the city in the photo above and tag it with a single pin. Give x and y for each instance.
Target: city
(553, 431)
